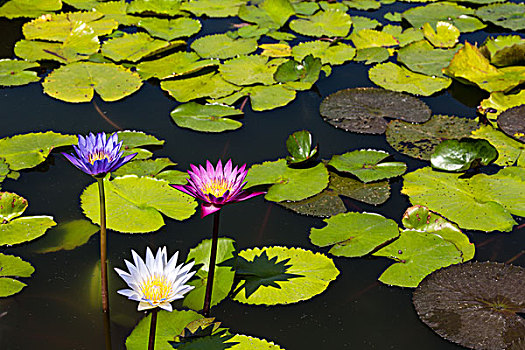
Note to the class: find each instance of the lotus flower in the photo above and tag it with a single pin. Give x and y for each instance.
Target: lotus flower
(97, 155)
(157, 282)
(216, 187)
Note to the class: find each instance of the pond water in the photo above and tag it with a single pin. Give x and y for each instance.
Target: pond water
(59, 309)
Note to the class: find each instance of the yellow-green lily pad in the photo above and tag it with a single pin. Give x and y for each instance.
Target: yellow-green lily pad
(507, 15)
(13, 266)
(248, 70)
(28, 8)
(421, 57)
(15, 73)
(330, 23)
(222, 46)
(367, 38)
(158, 7)
(208, 85)
(176, 64)
(445, 35)
(132, 47)
(211, 8)
(510, 151)
(206, 118)
(169, 29)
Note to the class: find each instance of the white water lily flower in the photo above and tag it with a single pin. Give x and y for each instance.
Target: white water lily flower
(157, 282)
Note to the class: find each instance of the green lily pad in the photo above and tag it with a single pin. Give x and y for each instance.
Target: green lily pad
(461, 155)
(505, 50)
(510, 151)
(158, 7)
(397, 78)
(4, 170)
(77, 82)
(252, 343)
(417, 254)
(299, 75)
(66, 236)
(279, 275)
(176, 64)
(211, 84)
(14, 73)
(363, 109)
(469, 64)
(11, 206)
(512, 122)
(174, 177)
(211, 8)
(133, 139)
(28, 8)
(146, 167)
(328, 53)
(57, 27)
(459, 16)
(367, 38)
(393, 16)
(82, 4)
(288, 184)
(28, 150)
(354, 234)
(132, 47)
(338, 6)
(404, 37)
(222, 46)
(271, 14)
(305, 8)
(361, 22)
(269, 97)
(499, 102)
(364, 5)
(373, 193)
(507, 15)
(367, 166)
(330, 23)
(421, 57)
(325, 204)
(223, 277)
(445, 35)
(116, 10)
(299, 145)
(206, 118)
(482, 202)
(169, 29)
(13, 266)
(419, 140)
(134, 205)
(372, 55)
(169, 325)
(248, 70)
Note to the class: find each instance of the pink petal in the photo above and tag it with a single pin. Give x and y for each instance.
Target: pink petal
(246, 195)
(207, 209)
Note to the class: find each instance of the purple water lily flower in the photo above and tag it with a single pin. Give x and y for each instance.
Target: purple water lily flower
(97, 155)
(216, 187)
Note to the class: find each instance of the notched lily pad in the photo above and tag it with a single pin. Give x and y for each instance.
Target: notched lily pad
(207, 85)
(476, 305)
(157, 7)
(512, 122)
(15, 73)
(507, 15)
(362, 109)
(505, 50)
(299, 145)
(373, 193)
(169, 29)
(445, 35)
(13, 266)
(325, 204)
(330, 23)
(206, 118)
(28, 8)
(510, 151)
(222, 46)
(421, 57)
(132, 47)
(462, 155)
(176, 64)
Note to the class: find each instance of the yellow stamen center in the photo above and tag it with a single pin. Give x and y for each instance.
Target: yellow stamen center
(156, 289)
(217, 187)
(97, 156)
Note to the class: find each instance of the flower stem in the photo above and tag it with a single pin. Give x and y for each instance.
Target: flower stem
(103, 244)
(152, 329)
(211, 271)
(107, 330)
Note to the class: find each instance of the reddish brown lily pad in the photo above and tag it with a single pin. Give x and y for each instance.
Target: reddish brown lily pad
(512, 122)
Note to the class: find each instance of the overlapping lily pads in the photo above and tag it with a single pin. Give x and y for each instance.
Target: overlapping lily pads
(143, 167)
(507, 15)
(158, 7)
(461, 155)
(505, 50)
(421, 57)
(498, 102)
(132, 47)
(512, 122)
(248, 70)
(328, 53)
(510, 151)
(210, 8)
(12, 266)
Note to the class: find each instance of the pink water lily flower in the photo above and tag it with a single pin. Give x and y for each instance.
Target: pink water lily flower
(216, 187)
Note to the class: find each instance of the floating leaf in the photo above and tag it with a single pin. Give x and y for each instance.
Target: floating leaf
(354, 234)
(28, 8)
(498, 102)
(211, 84)
(329, 54)
(372, 55)
(13, 266)
(11, 206)
(299, 145)
(421, 57)
(132, 47)
(82, 4)
(476, 305)
(28, 150)
(176, 64)
(169, 29)
(211, 8)
(459, 16)
(288, 184)
(223, 280)
(482, 202)
(134, 205)
(367, 166)
(252, 343)
(509, 150)
(404, 37)
(269, 97)
(461, 155)
(505, 50)
(14, 73)
(279, 275)
(393, 16)
(417, 254)
(116, 10)
(507, 15)
(367, 38)
(4, 170)
(159, 7)
(397, 78)
(305, 8)
(206, 118)
(362, 109)
(299, 75)
(278, 10)
(248, 70)
(363, 4)
(330, 23)
(146, 167)
(133, 139)
(512, 122)
(374, 193)
(419, 140)
(76, 82)
(276, 50)
(445, 35)
(222, 46)
(66, 236)
(325, 204)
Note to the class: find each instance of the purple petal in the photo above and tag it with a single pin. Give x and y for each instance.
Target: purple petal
(183, 188)
(246, 195)
(207, 209)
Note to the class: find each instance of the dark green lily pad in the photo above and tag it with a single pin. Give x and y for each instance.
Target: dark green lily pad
(176, 64)
(512, 122)
(373, 193)
(367, 165)
(134, 204)
(354, 234)
(211, 8)
(299, 75)
(330, 23)
(14, 73)
(77, 82)
(206, 118)
(507, 15)
(66, 236)
(158, 7)
(169, 29)
(419, 140)
(445, 35)
(279, 275)
(325, 204)
(223, 280)
(417, 254)
(13, 266)
(299, 145)
(207, 85)
(476, 305)
(505, 50)
(421, 57)
(132, 47)
(362, 109)
(461, 155)
(288, 184)
(28, 8)
(222, 46)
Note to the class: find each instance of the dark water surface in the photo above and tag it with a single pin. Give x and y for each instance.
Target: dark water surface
(59, 310)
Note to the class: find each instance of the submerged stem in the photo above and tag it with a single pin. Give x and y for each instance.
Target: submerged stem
(211, 271)
(107, 330)
(152, 329)
(103, 250)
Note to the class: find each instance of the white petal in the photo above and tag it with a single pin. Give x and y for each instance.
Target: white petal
(145, 306)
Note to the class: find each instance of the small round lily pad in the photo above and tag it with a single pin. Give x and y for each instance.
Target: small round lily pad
(461, 155)
(475, 305)
(512, 122)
